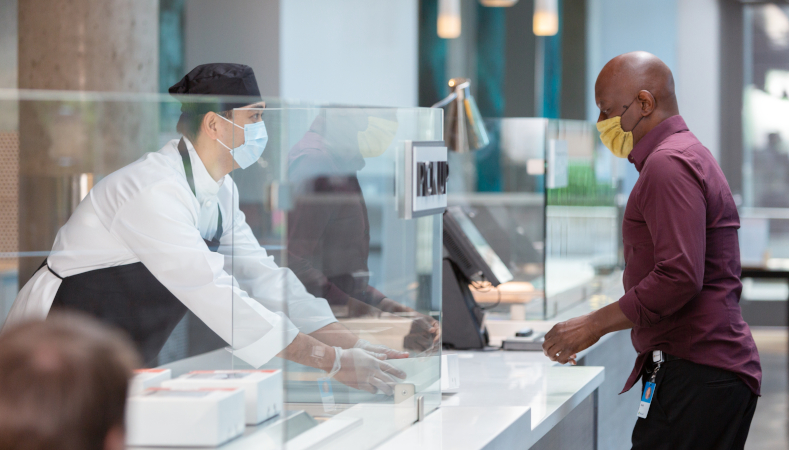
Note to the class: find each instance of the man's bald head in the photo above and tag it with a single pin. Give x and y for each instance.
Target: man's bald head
(631, 76)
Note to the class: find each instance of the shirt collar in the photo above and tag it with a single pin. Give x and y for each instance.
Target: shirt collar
(205, 185)
(651, 140)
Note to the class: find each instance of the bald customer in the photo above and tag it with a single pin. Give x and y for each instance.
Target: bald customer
(697, 361)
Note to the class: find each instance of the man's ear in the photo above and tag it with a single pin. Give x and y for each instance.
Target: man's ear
(210, 125)
(647, 102)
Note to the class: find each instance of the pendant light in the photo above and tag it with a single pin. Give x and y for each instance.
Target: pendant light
(448, 19)
(498, 3)
(464, 128)
(546, 17)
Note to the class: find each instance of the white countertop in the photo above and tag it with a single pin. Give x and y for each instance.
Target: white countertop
(503, 396)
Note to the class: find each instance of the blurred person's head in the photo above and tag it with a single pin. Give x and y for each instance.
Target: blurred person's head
(356, 132)
(63, 385)
(635, 93)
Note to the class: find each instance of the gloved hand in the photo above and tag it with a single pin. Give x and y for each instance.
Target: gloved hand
(380, 350)
(361, 370)
(425, 334)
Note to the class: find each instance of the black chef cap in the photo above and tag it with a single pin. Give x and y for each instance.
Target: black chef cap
(219, 80)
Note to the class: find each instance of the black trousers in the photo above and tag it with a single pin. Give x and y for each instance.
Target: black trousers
(695, 407)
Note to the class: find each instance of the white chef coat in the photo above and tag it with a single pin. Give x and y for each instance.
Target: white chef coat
(146, 212)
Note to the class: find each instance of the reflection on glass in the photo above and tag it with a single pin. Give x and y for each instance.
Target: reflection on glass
(344, 244)
(552, 219)
(329, 228)
(582, 221)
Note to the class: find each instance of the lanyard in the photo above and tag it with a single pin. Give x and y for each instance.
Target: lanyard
(213, 244)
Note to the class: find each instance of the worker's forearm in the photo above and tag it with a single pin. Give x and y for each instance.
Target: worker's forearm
(309, 351)
(609, 319)
(335, 335)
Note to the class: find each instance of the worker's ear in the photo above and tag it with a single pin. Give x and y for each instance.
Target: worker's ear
(210, 125)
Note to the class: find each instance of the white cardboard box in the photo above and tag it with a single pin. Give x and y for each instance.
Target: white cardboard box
(148, 378)
(263, 388)
(184, 417)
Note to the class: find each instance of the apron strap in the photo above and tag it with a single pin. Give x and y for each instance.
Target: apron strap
(213, 244)
(46, 263)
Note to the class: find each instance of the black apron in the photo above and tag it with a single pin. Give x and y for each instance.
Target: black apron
(129, 296)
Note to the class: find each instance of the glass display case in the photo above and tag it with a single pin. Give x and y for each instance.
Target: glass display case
(298, 265)
(548, 198)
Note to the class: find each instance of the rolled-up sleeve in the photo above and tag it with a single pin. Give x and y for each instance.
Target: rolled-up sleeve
(672, 202)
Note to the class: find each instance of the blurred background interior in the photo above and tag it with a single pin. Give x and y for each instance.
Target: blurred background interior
(532, 66)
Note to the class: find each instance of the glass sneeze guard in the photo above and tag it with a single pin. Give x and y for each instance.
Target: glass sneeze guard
(547, 197)
(310, 248)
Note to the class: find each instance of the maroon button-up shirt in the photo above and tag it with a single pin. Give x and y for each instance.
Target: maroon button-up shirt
(682, 256)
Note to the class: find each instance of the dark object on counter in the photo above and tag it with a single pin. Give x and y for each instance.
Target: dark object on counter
(470, 251)
(524, 332)
(526, 343)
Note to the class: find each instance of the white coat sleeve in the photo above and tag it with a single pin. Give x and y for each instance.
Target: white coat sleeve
(159, 226)
(276, 288)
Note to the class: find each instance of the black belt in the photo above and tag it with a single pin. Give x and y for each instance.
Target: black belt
(649, 365)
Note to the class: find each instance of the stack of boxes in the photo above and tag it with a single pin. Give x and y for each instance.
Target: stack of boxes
(200, 408)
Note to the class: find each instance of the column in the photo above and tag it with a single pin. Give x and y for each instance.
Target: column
(65, 144)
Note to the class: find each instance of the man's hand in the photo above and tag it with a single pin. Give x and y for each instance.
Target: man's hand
(568, 338)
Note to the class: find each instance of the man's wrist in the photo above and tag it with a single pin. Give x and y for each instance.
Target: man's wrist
(608, 319)
(595, 324)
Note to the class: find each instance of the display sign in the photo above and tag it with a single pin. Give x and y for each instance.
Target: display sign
(423, 179)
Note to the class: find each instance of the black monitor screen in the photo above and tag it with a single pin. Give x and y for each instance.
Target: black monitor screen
(470, 251)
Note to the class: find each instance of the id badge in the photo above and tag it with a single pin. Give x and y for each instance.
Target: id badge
(327, 395)
(646, 399)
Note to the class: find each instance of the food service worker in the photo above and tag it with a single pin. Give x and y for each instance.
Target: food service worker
(697, 360)
(158, 237)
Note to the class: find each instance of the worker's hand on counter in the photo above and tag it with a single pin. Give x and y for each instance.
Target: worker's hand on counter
(380, 351)
(359, 369)
(568, 338)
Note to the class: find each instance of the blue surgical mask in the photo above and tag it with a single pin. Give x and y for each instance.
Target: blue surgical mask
(255, 140)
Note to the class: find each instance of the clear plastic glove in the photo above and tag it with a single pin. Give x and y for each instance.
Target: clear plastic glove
(380, 350)
(359, 369)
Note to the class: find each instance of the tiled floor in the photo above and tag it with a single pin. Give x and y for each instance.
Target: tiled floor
(770, 426)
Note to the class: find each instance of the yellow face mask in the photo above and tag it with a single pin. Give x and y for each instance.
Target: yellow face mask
(619, 141)
(376, 138)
